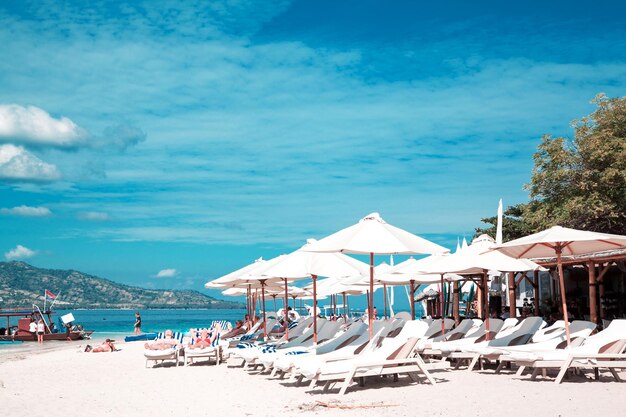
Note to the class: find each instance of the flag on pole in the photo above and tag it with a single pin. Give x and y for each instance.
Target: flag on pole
(49, 294)
(499, 225)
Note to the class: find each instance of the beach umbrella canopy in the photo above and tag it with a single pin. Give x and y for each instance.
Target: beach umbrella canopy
(560, 241)
(372, 235)
(223, 281)
(304, 263)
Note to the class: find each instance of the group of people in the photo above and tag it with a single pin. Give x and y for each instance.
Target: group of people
(37, 329)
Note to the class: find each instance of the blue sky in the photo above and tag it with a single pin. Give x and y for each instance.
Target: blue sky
(191, 136)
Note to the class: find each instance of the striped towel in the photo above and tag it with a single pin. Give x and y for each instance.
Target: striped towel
(293, 324)
(246, 337)
(245, 345)
(268, 349)
(296, 352)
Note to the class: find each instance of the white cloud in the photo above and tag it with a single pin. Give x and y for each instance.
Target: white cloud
(27, 211)
(94, 216)
(16, 163)
(167, 273)
(32, 125)
(19, 252)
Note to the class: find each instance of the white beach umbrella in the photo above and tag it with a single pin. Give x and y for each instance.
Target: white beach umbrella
(372, 235)
(560, 241)
(304, 263)
(475, 259)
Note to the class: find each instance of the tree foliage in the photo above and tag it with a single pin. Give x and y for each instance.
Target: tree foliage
(582, 183)
(579, 183)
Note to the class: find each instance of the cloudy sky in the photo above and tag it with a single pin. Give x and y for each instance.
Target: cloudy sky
(166, 143)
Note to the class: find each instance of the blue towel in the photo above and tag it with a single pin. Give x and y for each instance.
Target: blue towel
(293, 324)
(245, 345)
(246, 337)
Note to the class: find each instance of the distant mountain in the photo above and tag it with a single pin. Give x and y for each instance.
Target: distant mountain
(22, 284)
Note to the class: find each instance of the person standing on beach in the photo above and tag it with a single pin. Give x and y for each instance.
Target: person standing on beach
(40, 331)
(137, 323)
(32, 328)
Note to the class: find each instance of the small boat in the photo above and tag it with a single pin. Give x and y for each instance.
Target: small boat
(24, 316)
(144, 336)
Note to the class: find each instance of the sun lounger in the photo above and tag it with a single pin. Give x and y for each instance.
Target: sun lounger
(384, 356)
(445, 348)
(325, 334)
(349, 351)
(518, 335)
(606, 349)
(209, 352)
(355, 335)
(169, 354)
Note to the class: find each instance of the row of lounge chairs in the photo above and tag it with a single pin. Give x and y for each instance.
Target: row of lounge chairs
(344, 353)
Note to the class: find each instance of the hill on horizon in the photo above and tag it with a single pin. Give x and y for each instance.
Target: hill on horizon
(22, 284)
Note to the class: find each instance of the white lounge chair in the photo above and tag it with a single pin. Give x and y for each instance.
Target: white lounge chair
(383, 357)
(605, 349)
(169, 354)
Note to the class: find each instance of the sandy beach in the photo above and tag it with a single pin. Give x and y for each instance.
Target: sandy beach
(65, 381)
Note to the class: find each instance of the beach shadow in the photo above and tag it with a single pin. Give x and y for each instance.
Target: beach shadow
(370, 383)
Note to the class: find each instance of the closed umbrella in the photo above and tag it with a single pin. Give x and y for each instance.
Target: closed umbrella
(372, 235)
(561, 241)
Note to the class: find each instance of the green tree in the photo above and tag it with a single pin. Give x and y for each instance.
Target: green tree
(513, 224)
(582, 183)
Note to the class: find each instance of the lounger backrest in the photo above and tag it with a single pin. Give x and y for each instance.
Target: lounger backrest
(405, 350)
(403, 315)
(302, 327)
(434, 330)
(615, 347)
(522, 333)
(306, 339)
(327, 333)
(550, 332)
(615, 331)
(353, 333)
(456, 333)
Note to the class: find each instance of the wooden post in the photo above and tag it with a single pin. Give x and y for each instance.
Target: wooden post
(602, 300)
(264, 316)
(486, 305)
(455, 302)
(412, 300)
(286, 312)
(512, 299)
(536, 287)
(593, 292)
(558, 250)
(314, 278)
(443, 329)
(385, 305)
(370, 312)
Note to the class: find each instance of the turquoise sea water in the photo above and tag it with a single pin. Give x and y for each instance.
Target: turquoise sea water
(116, 324)
(119, 323)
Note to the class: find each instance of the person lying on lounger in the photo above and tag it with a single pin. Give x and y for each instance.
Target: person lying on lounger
(163, 344)
(106, 346)
(238, 330)
(205, 340)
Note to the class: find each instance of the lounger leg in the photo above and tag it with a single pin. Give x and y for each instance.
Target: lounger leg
(533, 376)
(348, 381)
(500, 366)
(475, 359)
(564, 369)
(273, 373)
(299, 379)
(615, 375)
(520, 370)
(313, 384)
(326, 386)
(422, 367)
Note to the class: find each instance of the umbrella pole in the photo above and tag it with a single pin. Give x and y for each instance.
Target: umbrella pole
(412, 300)
(274, 297)
(345, 300)
(286, 312)
(314, 277)
(443, 327)
(385, 305)
(559, 263)
(264, 316)
(370, 312)
(486, 305)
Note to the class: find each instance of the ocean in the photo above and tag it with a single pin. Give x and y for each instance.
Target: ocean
(116, 324)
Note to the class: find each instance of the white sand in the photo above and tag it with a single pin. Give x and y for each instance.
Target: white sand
(68, 382)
